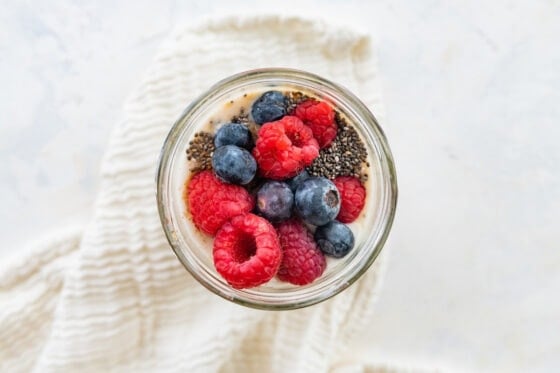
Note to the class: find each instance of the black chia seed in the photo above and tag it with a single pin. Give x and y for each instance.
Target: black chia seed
(293, 99)
(200, 151)
(346, 156)
(244, 118)
(241, 118)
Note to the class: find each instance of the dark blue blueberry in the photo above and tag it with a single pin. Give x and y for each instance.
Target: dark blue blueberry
(317, 200)
(269, 107)
(335, 239)
(234, 134)
(298, 179)
(275, 200)
(234, 165)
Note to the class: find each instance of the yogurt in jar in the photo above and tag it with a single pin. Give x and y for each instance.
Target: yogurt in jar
(237, 108)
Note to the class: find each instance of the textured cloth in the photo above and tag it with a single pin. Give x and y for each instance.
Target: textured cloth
(113, 296)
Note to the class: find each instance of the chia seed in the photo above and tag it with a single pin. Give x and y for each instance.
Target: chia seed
(241, 118)
(293, 99)
(346, 156)
(200, 151)
(244, 118)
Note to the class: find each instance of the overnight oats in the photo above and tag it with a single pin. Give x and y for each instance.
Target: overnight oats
(276, 189)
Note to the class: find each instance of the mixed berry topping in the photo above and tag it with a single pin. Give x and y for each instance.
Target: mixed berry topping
(247, 251)
(302, 261)
(335, 238)
(234, 165)
(294, 182)
(317, 201)
(276, 189)
(284, 148)
(318, 116)
(275, 200)
(352, 198)
(234, 134)
(212, 202)
(269, 107)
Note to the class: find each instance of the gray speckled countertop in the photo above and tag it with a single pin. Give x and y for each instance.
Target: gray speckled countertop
(471, 99)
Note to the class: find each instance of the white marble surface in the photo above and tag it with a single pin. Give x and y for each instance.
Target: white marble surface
(471, 94)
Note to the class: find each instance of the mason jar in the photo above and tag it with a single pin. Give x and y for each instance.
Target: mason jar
(194, 248)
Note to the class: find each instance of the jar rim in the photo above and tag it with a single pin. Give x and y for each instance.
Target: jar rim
(248, 297)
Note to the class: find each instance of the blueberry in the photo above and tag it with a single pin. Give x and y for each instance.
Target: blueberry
(317, 200)
(275, 200)
(234, 134)
(234, 165)
(297, 180)
(335, 239)
(269, 107)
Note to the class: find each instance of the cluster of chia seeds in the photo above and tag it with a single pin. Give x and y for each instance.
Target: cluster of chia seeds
(293, 99)
(244, 118)
(344, 157)
(200, 151)
(241, 118)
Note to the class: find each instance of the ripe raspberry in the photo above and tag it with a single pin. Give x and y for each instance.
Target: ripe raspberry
(284, 148)
(352, 198)
(247, 251)
(319, 116)
(302, 260)
(212, 202)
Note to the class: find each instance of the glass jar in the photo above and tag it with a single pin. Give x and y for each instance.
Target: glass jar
(194, 249)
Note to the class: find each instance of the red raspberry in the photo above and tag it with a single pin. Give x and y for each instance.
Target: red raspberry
(319, 116)
(303, 261)
(284, 148)
(212, 202)
(352, 198)
(246, 251)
